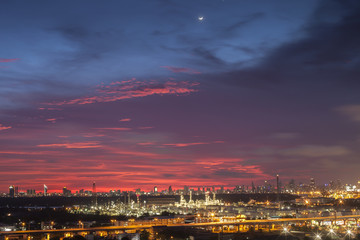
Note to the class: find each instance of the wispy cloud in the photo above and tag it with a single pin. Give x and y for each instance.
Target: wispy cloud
(2, 127)
(125, 120)
(133, 89)
(8, 59)
(181, 70)
(177, 144)
(190, 144)
(144, 128)
(114, 128)
(52, 120)
(73, 145)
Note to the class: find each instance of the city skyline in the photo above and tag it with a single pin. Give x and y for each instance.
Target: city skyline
(210, 92)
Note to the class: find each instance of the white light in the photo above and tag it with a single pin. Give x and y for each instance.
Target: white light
(285, 229)
(318, 236)
(348, 231)
(332, 230)
(201, 18)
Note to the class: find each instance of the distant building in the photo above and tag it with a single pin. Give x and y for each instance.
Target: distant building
(66, 192)
(30, 192)
(312, 183)
(11, 191)
(45, 190)
(155, 189)
(94, 188)
(94, 194)
(186, 190)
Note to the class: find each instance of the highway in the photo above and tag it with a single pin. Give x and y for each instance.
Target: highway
(207, 224)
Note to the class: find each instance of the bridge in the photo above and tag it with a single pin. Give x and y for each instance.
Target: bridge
(216, 227)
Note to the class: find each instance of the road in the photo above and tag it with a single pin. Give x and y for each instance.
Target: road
(207, 224)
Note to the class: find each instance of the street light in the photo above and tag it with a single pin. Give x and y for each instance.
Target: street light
(285, 231)
(349, 233)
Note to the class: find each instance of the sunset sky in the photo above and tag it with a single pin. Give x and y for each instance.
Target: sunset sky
(137, 93)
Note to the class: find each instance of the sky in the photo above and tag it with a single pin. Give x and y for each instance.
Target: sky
(137, 93)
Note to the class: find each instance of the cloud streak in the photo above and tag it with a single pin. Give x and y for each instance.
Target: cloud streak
(2, 127)
(133, 89)
(5, 60)
(75, 145)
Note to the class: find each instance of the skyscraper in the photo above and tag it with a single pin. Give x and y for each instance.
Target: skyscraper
(94, 188)
(45, 190)
(94, 194)
(11, 191)
(312, 184)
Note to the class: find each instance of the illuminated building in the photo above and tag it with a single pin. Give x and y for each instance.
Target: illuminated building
(312, 183)
(155, 189)
(11, 191)
(277, 184)
(45, 190)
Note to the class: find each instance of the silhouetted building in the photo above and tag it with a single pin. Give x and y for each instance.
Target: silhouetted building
(94, 194)
(66, 192)
(30, 192)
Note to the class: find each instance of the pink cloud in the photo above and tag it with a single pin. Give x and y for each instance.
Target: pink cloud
(185, 144)
(2, 127)
(114, 128)
(8, 59)
(145, 128)
(134, 153)
(146, 143)
(52, 120)
(181, 70)
(41, 108)
(79, 145)
(133, 89)
(125, 120)
(91, 135)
